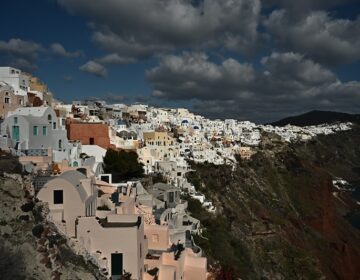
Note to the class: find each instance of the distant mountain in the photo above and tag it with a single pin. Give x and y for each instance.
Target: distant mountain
(318, 117)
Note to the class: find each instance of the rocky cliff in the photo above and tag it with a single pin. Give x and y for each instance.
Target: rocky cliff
(279, 216)
(31, 247)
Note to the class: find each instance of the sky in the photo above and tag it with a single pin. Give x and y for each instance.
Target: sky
(258, 60)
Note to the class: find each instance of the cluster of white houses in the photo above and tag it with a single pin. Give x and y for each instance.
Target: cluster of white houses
(122, 226)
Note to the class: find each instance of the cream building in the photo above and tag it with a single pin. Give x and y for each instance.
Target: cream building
(69, 195)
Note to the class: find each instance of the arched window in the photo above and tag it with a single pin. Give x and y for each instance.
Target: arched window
(49, 118)
(60, 144)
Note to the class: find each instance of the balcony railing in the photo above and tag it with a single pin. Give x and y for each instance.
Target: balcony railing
(35, 152)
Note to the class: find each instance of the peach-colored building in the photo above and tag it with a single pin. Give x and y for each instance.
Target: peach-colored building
(38, 162)
(69, 195)
(121, 235)
(116, 242)
(187, 267)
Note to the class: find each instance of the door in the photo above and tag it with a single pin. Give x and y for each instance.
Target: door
(15, 133)
(116, 266)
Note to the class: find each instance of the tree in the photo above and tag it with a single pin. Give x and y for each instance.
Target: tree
(122, 165)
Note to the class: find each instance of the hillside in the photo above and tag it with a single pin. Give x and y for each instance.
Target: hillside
(279, 215)
(31, 247)
(318, 117)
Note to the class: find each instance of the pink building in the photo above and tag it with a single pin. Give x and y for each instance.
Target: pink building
(117, 243)
(69, 195)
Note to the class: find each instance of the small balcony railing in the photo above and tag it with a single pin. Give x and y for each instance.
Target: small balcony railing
(35, 152)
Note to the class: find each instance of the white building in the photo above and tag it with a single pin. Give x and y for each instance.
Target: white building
(16, 79)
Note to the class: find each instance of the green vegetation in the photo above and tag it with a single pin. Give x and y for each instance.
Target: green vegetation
(276, 214)
(218, 242)
(122, 165)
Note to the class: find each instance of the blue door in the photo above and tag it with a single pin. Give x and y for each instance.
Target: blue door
(15, 133)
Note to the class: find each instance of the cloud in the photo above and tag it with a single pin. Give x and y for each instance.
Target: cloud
(192, 74)
(94, 68)
(294, 67)
(285, 84)
(114, 98)
(20, 53)
(304, 6)
(28, 49)
(59, 50)
(140, 29)
(317, 34)
(114, 58)
(68, 78)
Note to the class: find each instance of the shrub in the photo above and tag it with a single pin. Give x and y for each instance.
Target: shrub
(122, 165)
(38, 230)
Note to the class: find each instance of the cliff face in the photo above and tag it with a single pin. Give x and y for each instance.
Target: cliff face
(279, 215)
(30, 247)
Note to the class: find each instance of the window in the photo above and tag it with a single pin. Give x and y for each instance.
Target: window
(60, 144)
(49, 118)
(58, 197)
(35, 130)
(91, 141)
(7, 100)
(15, 120)
(44, 130)
(54, 125)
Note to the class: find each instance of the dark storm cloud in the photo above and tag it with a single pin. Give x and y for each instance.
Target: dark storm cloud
(310, 35)
(288, 82)
(138, 29)
(20, 53)
(317, 34)
(192, 74)
(302, 6)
